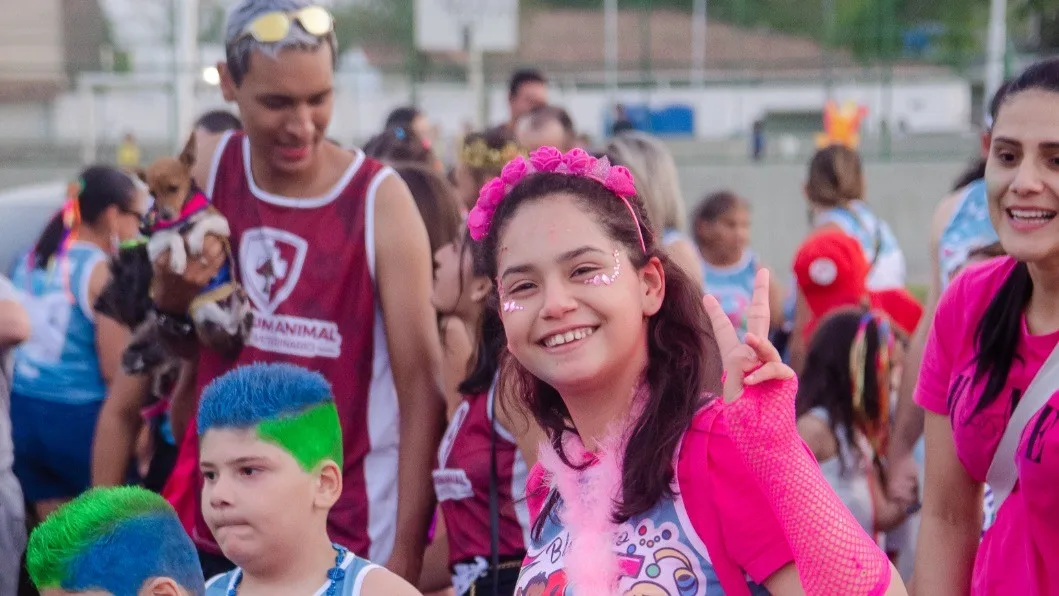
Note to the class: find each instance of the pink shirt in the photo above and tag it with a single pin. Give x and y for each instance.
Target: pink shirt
(1014, 555)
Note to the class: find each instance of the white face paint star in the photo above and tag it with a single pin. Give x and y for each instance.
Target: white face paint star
(602, 279)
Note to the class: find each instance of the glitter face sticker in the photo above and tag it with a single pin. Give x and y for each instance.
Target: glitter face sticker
(602, 279)
(511, 306)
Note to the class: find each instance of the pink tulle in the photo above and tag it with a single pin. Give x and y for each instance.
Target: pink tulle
(832, 552)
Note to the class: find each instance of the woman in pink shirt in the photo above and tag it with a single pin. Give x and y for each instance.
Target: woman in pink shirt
(995, 326)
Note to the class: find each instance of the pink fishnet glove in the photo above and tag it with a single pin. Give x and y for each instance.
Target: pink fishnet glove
(833, 554)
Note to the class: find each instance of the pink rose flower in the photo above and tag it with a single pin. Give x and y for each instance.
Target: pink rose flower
(478, 221)
(491, 194)
(514, 171)
(546, 159)
(579, 161)
(620, 181)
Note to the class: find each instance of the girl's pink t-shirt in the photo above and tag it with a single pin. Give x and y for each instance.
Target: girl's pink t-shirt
(1017, 551)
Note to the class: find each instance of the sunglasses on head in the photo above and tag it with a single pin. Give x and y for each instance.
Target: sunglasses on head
(272, 27)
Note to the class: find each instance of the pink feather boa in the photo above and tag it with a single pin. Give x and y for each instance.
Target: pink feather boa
(586, 510)
(588, 500)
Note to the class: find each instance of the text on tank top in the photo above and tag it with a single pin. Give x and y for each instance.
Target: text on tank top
(463, 477)
(59, 362)
(308, 267)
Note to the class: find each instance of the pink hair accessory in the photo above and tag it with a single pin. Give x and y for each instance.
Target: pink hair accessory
(576, 162)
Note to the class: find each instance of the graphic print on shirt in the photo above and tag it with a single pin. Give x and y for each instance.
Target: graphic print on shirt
(1045, 423)
(452, 484)
(992, 424)
(653, 561)
(271, 262)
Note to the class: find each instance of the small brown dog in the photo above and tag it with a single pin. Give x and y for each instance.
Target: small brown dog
(179, 222)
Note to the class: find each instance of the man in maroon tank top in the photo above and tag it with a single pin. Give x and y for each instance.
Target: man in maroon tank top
(334, 256)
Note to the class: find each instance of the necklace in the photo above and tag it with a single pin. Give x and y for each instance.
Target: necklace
(335, 574)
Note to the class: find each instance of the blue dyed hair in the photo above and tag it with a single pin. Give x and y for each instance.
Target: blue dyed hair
(114, 540)
(286, 404)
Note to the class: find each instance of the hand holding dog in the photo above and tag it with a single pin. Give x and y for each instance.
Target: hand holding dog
(173, 293)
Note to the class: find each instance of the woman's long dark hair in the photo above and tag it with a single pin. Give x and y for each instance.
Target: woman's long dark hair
(683, 358)
(101, 187)
(826, 380)
(999, 329)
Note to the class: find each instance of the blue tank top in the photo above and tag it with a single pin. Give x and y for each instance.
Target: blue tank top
(59, 361)
(875, 238)
(733, 287)
(350, 585)
(969, 229)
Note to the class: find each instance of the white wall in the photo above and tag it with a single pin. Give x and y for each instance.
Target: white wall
(362, 102)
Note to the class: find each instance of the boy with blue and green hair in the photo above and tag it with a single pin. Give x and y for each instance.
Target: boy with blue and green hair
(271, 461)
(123, 541)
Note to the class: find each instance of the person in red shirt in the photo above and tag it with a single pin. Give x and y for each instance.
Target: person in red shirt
(334, 256)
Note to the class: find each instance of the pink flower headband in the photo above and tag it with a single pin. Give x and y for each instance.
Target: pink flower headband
(576, 162)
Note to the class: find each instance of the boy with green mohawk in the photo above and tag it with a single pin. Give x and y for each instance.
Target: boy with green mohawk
(271, 459)
(124, 541)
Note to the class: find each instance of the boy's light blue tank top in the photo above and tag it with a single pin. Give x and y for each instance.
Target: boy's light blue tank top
(968, 229)
(875, 238)
(733, 287)
(59, 362)
(351, 584)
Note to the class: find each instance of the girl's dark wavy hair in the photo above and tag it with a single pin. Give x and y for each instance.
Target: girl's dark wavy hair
(826, 380)
(684, 362)
(999, 329)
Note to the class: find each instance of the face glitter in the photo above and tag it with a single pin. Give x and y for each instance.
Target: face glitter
(602, 279)
(511, 306)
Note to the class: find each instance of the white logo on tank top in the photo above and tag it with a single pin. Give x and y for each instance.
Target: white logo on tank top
(452, 484)
(270, 264)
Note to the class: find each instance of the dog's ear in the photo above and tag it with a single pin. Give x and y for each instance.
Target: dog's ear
(187, 156)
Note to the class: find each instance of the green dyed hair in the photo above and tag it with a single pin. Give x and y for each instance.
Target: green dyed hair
(80, 546)
(286, 405)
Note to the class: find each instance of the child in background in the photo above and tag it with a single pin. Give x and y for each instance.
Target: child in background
(722, 233)
(271, 457)
(123, 541)
(844, 412)
(460, 292)
(658, 186)
(481, 156)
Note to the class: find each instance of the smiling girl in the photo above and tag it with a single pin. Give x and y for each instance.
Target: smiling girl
(988, 375)
(649, 483)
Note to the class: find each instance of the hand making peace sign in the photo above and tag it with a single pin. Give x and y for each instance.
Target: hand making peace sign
(756, 358)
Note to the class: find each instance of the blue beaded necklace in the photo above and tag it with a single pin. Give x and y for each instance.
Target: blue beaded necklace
(335, 574)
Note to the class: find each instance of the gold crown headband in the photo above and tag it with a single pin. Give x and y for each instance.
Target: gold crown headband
(478, 155)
